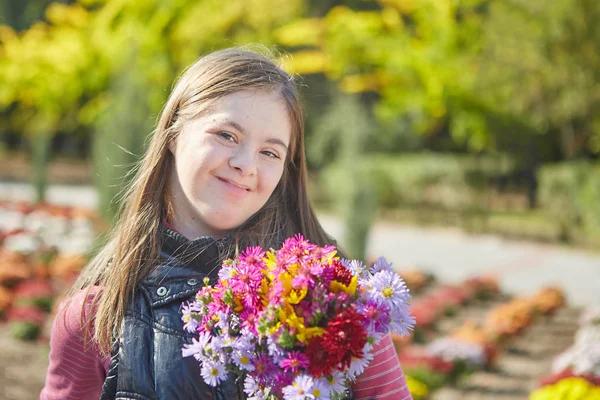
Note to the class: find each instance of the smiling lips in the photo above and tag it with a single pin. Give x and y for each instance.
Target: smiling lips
(235, 187)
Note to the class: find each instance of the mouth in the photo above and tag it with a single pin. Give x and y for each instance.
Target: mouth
(234, 184)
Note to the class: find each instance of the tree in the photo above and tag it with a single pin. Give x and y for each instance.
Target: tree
(61, 73)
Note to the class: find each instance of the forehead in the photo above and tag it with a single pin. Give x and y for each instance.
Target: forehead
(257, 113)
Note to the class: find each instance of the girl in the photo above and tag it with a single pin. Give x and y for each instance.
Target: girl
(225, 169)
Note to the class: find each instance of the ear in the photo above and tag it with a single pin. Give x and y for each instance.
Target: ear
(172, 145)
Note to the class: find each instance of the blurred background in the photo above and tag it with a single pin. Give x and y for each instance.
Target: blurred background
(458, 138)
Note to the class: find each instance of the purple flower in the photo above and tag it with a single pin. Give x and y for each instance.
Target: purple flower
(357, 268)
(402, 321)
(249, 320)
(251, 387)
(263, 368)
(197, 347)
(381, 265)
(358, 365)
(294, 361)
(388, 286)
(377, 314)
(275, 351)
(451, 349)
(190, 323)
(226, 272)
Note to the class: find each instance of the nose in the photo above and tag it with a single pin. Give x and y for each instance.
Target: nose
(243, 161)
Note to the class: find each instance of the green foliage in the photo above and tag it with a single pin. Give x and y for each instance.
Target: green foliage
(24, 330)
(119, 138)
(60, 75)
(570, 192)
(492, 73)
(433, 379)
(354, 195)
(515, 77)
(443, 181)
(40, 157)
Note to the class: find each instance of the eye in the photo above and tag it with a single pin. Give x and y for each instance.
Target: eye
(228, 137)
(270, 154)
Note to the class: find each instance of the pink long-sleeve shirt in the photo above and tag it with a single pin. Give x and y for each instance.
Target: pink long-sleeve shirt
(77, 369)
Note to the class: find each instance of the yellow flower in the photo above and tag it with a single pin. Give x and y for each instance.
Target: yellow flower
(295, 296)
(288, 316)
(310, 333)
(263, 291)
(270, 260)
(238, 304)
(274, 328)
(336, 286)
(418, 389)
(286, 279)
(567, 389)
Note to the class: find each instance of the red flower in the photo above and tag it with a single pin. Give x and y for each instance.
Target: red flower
(341, 273)
(424, 314)
(414, 358)
(32, 315)
(344, 338)
(318, 358)
(33, 289)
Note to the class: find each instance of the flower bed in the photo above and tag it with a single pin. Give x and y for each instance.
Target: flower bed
(445, 301)
(576, 371)
(474, 346)
(42, 249)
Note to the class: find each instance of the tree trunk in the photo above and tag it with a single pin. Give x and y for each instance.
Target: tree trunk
(40, 151)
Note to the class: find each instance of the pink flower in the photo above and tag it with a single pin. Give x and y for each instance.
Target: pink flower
(248, 278)
(251, 300)
(253, 256)
(294, 361)
(298, 246)
(249, 320)
(303, 280)
(263, 368)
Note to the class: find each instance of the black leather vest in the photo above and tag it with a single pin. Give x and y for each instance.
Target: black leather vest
(146, 363)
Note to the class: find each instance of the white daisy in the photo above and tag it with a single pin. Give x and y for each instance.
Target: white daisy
(213, 372)
(337, 383)
(321, 389)
(300, 389)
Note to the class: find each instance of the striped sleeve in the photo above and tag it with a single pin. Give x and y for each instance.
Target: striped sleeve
(76, 369)
(383, 379)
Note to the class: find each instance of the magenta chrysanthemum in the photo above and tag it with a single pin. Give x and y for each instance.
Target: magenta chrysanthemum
(252, 256)
(294, 361)
(248, 278)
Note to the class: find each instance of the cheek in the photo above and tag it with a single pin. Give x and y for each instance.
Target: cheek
(193, 163)
(270, 178)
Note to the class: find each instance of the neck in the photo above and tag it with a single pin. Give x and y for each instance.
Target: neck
(193, 229)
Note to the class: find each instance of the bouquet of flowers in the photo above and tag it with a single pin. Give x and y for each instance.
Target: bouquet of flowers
(294, 323)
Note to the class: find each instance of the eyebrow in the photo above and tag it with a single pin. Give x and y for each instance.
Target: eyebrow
(238, 127)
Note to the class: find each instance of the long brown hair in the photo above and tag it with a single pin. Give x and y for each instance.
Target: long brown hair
(134, 246)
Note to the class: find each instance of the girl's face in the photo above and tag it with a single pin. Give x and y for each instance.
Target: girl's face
(228, 162)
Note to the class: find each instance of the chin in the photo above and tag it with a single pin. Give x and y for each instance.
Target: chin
(225, 224)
